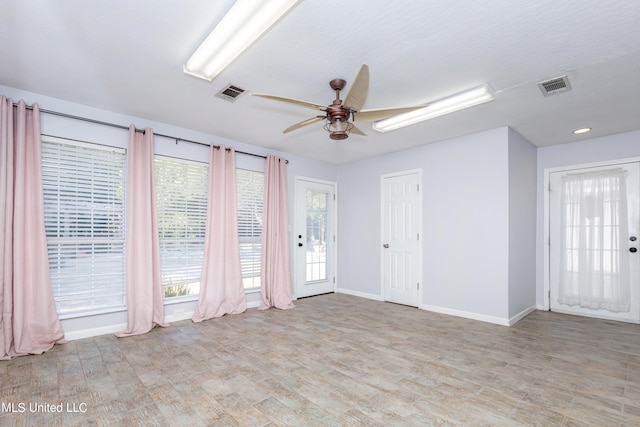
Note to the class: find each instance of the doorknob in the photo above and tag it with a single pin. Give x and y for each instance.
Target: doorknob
(300, 244)
(633, 250)
(386, 246)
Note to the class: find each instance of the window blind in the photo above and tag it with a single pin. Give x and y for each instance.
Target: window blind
(250, 185)
(181, 194)
(84, 194)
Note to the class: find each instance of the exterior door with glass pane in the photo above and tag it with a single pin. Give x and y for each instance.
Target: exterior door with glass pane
(314, 237)
(594, 227)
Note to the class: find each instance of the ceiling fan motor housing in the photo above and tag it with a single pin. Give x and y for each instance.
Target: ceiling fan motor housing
(338, 123)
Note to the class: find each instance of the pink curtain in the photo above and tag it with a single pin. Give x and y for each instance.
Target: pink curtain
(29, 323)
(275, 274)
(221, 289)
(145, 305)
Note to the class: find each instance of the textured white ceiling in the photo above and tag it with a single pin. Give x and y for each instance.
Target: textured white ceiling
(127, 56)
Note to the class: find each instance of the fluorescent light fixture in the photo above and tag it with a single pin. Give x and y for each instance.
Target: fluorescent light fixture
(581, 130)
(441, 107)
(243, 24)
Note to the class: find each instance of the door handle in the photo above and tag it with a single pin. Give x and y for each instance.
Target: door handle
(633, 250)
(300, 244)
(386, 246)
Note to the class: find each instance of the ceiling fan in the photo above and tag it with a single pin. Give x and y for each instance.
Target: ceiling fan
(340, 114)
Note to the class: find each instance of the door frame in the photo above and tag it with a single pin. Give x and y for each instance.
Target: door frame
(294, 241)
(547, 213)
(417, 171)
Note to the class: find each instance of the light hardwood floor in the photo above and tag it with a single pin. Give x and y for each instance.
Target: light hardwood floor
(337, 360)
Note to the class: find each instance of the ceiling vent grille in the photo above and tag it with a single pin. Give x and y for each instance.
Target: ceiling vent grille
(230, 93)
(553, 86)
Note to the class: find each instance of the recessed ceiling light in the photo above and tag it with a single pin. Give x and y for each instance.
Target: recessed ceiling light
(581, 130)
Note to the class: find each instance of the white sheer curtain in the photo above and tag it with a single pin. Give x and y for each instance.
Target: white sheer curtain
(594, 264)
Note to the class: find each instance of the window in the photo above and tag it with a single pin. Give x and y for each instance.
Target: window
(250, 186)
(84, 194)
(181, 194)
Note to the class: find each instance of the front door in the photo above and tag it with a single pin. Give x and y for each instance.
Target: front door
(315, 238)
(401, 255)
(594, 230)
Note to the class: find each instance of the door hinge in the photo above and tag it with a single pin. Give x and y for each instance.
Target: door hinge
(334, 279)
(418, 236)
(418, 187)
(549, 186)
(334, 196)
(418, 285)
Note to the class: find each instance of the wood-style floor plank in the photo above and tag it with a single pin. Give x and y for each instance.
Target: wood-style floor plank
(337, 360)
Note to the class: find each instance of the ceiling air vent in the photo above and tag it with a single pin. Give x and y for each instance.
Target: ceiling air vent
(552, 86)
(230, 93)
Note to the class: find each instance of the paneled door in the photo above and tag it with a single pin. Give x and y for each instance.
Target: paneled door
(594, 225)
(315, 238)
(401, 228)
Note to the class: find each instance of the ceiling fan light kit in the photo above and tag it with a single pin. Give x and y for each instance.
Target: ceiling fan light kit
(450, 104)
(242, 25)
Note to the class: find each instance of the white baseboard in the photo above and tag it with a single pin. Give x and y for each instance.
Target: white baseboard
(253, 304)
(482, 317)
(466, 314)
(176, 317)
(524, 313)
(359, 294)
(94, 332)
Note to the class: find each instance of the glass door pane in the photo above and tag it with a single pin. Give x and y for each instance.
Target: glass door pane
(317, 215)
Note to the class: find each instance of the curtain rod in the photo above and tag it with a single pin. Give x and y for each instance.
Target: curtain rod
(115, 125)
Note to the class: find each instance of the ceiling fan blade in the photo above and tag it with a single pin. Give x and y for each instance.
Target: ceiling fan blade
(304, 123)
(382, 113)
(293, 101)
(358, 90)
(357, 131)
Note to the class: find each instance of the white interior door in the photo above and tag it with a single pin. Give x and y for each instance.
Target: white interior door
(315, 238)
(610, 258)
(401, 221)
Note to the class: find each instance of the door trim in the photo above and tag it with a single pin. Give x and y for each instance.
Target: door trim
(547, 213)
(293, 240)
(417, 171)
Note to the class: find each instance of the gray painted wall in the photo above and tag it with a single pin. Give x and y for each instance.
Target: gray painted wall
(522, 219)
(473, 188)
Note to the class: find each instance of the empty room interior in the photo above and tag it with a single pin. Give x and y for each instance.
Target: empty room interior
(320, 213)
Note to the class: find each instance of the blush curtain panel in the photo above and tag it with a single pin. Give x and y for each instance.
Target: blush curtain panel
(275, 273)
(29, 323)
(221, 288)
(145, 305)
(594, 262)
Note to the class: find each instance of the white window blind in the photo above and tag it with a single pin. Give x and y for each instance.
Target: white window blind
(250, 185)
(181, 193)
(84, 194)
